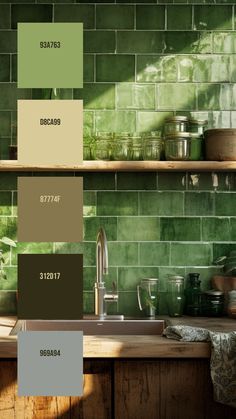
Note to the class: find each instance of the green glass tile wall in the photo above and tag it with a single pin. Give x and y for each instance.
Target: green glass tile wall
(143, 60)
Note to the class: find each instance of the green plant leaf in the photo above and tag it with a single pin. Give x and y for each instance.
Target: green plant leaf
(9, 242)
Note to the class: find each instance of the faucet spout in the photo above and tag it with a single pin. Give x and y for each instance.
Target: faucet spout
(101, 255)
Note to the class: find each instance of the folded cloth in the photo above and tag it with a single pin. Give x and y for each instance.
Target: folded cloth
(223, 358)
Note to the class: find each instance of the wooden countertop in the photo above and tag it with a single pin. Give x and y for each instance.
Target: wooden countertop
(132, 346)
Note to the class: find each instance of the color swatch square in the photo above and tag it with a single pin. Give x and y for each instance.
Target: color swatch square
(50, 363)
(50, 286)
(50, 132)
(50, 55)
(50, 209)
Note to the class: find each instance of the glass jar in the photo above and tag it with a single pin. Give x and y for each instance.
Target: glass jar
(103, 145)
(197, 126)
(177, 146)
(193, 295)
(147, 293)
(214, 303)
(175, 124)
(136, 149)
(152, 145)
(121, 146)
(175, 295)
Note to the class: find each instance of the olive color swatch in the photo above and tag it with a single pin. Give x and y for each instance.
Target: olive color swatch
(50, 286)
(50, 132)
(46, 55)
(50, 209)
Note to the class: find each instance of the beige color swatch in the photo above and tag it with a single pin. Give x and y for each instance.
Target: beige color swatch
(50, 209)
(50, 132)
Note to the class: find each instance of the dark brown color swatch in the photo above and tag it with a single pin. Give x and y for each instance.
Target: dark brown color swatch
(50, 287)
(50, 209)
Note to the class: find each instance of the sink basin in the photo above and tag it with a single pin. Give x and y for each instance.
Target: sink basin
(94, 326)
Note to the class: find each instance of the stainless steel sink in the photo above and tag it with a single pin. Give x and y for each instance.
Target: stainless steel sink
(95, 327)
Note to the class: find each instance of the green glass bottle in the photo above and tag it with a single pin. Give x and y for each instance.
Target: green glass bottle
(193, 295)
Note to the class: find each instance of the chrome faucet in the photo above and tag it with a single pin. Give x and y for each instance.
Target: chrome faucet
(101, 296)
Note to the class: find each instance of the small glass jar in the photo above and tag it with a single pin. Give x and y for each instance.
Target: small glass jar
(175, 124)
(175, 295)
(177, 146)
(213, 303)
(197, 126)
(136, 149)
(103, 145)
(121, 146)
(152, 146)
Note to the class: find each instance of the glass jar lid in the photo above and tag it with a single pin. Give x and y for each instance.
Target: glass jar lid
(176, 278)
(198, 121)
(152, 280)
(177, 118)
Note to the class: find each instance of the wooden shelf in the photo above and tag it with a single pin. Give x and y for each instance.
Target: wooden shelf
(123, 166)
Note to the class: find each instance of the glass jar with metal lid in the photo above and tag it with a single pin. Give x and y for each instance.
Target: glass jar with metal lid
(175, 124)
(121, 146)
(214, 303)
(175, 295)
(152, 145)
(103, 145)
(197, 125)
(177, 146)
(136, 149)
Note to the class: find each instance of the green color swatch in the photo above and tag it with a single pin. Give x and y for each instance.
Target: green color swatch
(46, 55)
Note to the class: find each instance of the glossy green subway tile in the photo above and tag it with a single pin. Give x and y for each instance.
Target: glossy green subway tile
(99, 181)
(8, 302)
(222, 249)
(10, 94)
(89, 277)
(213, 17)
(225, 204)
(115, 17)
(14, 68)
(11, 282)
(96, 95)
(128, 304)
(154, 254)
(157, 68)
(68, 248)
(130, 277)
(136, 181)
(151, 121)
(89, 203)
(45, 94)
(117, 203)
(176, 96)
(4, 68)
(4, 148)
(207, 181)
(75, 13)
(138, 228)
(135, 96)
(180, 229)
(172, 181)
(188, 254)
(30, 13)
(199, 203)
(115, 68)
(14, 204)
(17, 1)
(5, 203)
(216, 229)
(161, 203)
(88, 68)
(187, 42)
(136, 1)
(140, 42)
(214, 96)
(36, 248)
(87, 249)
(224, 42)
(123, 254)
(88, 302)
(232, 229)
(5, 11)
(150, 17)
(115, 121)
(179, 17)
(99, 41)
(92, 225)
(5, 124)
(211, 68)
(8, 41)
(88, 122)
